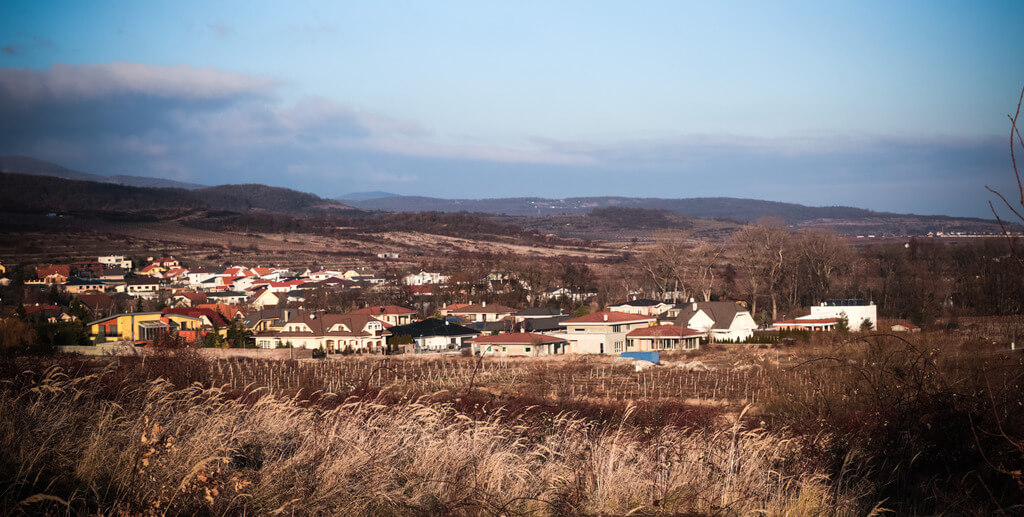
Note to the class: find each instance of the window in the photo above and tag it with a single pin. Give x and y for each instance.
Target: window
(527, 349)
(616, 328)
(618, 346)
(579, 330)
(454, 340)
(504, 349)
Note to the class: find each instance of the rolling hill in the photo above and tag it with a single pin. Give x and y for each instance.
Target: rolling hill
(35, 167)
(27, 193)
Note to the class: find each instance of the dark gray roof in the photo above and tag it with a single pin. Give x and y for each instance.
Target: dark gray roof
(642, 302)
(276, 314)
(539, 311)
(544, 324)
(431, 327)
(721, 312)
(226, 294)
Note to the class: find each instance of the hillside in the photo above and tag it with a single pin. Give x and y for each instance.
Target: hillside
(26, 193)
(710, 207)
(36, 167)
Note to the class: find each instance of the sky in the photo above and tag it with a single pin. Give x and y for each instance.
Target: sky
(891, 106)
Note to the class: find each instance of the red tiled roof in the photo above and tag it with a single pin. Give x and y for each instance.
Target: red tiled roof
(517, 338)
(607, 317)
(60, 269)
(665, 331)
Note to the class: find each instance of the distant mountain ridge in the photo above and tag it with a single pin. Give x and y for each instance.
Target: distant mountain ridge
(364, 196)
(36, 167)
(23, 192)
(704, 207)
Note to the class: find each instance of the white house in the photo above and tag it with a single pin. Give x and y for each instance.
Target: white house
(110, 261)
(721, 321)
(642, 306)
(602, 332)
(425, 278)
(331, 332)
(856, 312)
(435, 335)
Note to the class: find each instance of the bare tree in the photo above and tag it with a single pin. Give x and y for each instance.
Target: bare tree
(1015, 141)
(763, 249)
(821, 254)
(703, 260)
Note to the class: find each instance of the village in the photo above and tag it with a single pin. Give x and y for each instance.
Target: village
(122, 307)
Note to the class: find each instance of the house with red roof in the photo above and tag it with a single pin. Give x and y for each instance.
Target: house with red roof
(519, 344)
(663, 337)
(602, 332)
(55, 274)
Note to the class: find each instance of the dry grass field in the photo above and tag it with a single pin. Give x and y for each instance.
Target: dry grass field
(915, 425)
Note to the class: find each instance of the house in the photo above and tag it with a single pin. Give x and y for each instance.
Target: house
(230, 312)
(166, 262)
(153, 270)
(143, 287)
(363, 276)
(324, 274)
(646, 307)
(519, 344)
(663, 337)
(602, 332)
(113, 274)
(228, 297)
(387, 255)
(188, 299)
(857, 312)
(263, 298)
(207, 316)
(432, 335)
(49, 313)
(332, 333)
(200, 275)
(90, 269)
(721, 321)
(481, 312)
(807, 323)
(140, 327)
(99, 304)
(55, 274)
(112, 261)
(76, 285)
(265, 320)
(390, 314)
(425, 278)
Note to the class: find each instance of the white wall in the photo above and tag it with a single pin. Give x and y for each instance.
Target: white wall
(856, 314)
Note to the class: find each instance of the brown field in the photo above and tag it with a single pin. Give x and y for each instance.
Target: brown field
(920, 424)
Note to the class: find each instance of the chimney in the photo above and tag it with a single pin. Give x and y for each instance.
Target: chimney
(694, 305)
(606, 317)
(483, 304)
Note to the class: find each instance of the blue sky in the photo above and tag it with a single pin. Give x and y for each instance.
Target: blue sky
(896, 106)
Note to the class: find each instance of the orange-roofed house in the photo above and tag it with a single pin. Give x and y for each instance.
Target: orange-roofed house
(227, 310)
(526, 344)
(602, 332)
(390, 314)
(663, 337)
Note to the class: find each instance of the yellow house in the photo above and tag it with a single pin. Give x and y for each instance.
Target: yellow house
(139, 326)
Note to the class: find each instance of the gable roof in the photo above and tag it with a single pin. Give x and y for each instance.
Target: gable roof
(321, 322)
(664, 331)
(517, 338)
(431, 327)
(722, 313)
(540, 311)
(607, 317)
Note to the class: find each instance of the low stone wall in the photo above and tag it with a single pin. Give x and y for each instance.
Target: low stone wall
(106, 349)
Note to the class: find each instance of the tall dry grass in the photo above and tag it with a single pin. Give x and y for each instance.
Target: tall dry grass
(67, 445)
